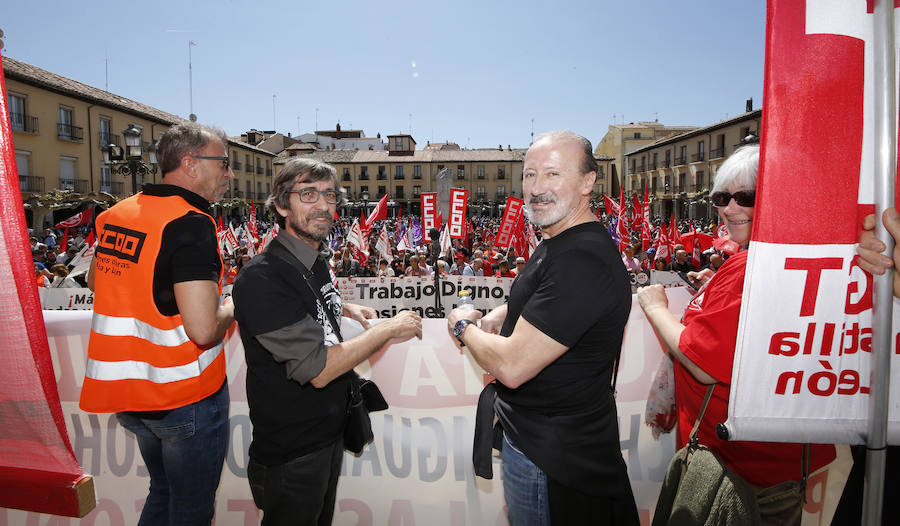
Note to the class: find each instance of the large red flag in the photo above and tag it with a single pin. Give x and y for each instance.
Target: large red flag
(38, 469)
(612, 208)
(637, 214)
(79, 219)
(674, 236)
(379, 213)
(251, 224)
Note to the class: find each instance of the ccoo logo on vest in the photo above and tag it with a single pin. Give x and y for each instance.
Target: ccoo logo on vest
(121, 242)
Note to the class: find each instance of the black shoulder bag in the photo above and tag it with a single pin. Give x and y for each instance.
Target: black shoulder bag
(364, 394)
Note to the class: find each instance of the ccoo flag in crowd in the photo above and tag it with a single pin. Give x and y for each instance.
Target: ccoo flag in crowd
(804, 345)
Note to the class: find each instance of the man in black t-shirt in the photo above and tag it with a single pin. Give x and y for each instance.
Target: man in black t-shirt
(298, 367)
(552, 348)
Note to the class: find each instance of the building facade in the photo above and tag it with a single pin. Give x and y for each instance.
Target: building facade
(405, 173)
(621, 139)
(679, 171)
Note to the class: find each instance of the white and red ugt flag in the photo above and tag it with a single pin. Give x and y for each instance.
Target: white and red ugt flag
(802, 363)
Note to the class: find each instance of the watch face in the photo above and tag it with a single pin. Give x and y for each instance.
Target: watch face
(460, 327)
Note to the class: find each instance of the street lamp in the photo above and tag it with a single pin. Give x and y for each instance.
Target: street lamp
(131, 160)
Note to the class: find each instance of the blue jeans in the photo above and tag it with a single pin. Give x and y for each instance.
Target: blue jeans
(301, 491)
(184, 450)
(524, 487)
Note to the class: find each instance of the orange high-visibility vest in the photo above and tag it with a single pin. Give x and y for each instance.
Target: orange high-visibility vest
(138, 358)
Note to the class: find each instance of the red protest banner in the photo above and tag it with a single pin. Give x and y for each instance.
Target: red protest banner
(429, 214)
(457, 223)
(508, 224)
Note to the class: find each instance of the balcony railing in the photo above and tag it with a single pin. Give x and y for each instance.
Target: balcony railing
(717, 153)
(667, 163)
(653, 165)
(680, 160)
(76, 185)
(382, 176)
(399, 177)
(113, 187)
(260, 170)
(697, 157)
(261, 196)
(67, 132)
(345, 177)
(23, 122)
(501, 196)
(106, 139)
(31, 183)
(501, 175)
(236, 165)
(363, 177)
(417, 176)
(268, 172)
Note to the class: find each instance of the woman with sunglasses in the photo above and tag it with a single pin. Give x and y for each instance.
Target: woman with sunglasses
(702, 347)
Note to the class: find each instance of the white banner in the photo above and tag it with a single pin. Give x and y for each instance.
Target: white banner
(418, 471)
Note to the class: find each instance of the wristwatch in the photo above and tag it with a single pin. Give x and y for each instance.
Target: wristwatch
(460, 328)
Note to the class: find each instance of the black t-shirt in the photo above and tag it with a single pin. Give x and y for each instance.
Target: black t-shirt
(575, 290)
(289, 419)
(188, 249)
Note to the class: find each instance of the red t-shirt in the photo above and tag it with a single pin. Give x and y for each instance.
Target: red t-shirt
(711, 324)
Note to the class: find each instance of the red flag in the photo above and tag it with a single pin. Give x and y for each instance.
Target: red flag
(35, 440)
(508, 223)
(429, 208)
(362, 223)
(399, 213)
(520, 239)
(637, 214)
(611, 207)
(440, 220)
(379, 213)
(646, 227)
(622, 223)
(251, 224)
(220, 227)
(721, 230)
(663, 243)
(457, 223)
(674, 236)
(79, 219)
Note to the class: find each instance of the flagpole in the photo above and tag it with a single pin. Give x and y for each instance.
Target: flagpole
(882, 313)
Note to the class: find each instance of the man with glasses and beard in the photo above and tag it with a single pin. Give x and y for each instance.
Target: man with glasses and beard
(298, 367)
(552, 348)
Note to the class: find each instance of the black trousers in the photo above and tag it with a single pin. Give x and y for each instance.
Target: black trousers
(299, 492)
(571, 507)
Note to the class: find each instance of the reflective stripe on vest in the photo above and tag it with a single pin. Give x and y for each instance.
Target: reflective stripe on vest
(134, 370)
(119, 326)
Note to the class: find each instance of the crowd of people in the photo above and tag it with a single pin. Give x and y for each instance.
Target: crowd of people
(53, 262)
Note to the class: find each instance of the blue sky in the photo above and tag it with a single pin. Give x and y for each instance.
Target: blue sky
(475, 73)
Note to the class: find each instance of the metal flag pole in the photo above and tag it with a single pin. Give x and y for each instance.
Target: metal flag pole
(882, 314)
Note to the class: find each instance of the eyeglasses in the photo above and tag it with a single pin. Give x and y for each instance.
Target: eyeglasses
(311, 195)
(224, 158)
(743, 198)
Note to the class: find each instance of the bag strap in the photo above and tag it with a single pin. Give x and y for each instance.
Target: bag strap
(310, 279)
(692, 440)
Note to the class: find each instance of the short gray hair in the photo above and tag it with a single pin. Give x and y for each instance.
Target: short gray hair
(588, 163)
(183, 139)
(739, 170)
(293, 170)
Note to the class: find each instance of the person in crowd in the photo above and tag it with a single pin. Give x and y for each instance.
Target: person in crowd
(503, 270)
(702, 345)
(384, 270)
(370, 270)
(520, 265)
(459, 265)
(61, 277)
(660, 264)
(169, 285)
(682, 262)
(42, 277)
(416, 268)
(631, 263)
(442, 268)
(476, 268)
(552, 349)
(67, 256)
(398, 267)
(230, 271)
(347, 267)
(49, 238)
(298, 367)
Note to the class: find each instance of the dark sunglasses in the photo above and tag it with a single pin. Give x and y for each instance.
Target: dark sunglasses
(225, 161)
(743, 198)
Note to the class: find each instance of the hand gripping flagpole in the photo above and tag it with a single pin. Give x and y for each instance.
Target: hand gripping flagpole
(882, 315)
